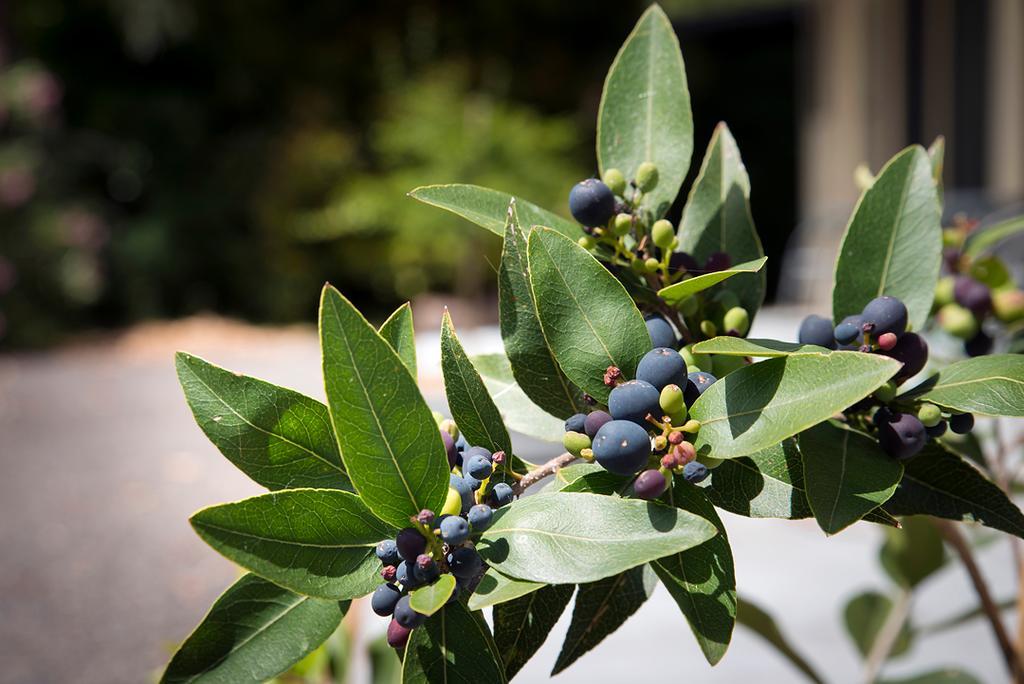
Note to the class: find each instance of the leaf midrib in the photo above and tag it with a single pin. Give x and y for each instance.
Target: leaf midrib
(459, 360)
(892, 233)
(842, 476)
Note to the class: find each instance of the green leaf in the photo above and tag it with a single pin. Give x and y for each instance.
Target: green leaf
(389, 441)
(317, 542)
(938, 482)
(566, 476)
(702, 580)
(532, 362)
(645, 110)
(522, 626)
(279, 438)
(728, 345)
(562, 538)
(766, 484)
(937, 157)
(601, 608)
(495, 588)
(453, 645)
(684, 289)
(601, 482)
(759, 405)
(913, 552)
(986, 238)
(864, 616)
(488, 208)
(431, 598)
(471, 406)
(757, 620)
(518, 412)
(963, 617)
(589, 320)
(399, 333)
(255, 631)
(944, 676)
(717, 217)
(989, 385)
(893, 243)
(846, 473)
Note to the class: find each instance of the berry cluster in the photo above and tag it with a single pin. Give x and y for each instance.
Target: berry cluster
(903, 425)
(438, 544)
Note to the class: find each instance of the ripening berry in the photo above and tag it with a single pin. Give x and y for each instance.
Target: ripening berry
(1008, 305)
(660, 367)
(848, 330)
(650, 484)
(718, 261)
(901, 435)
(695, 472)
(478, 466)
(972, 295)
(663, 233)
(454, 530)
(660, 332)
(929, 414)
(410, 543)
(817, 330)
(737, 321)
(479, 517)
(454, 457)
(615, 180)
(912, 351)
(886, 341)
(575, 442)
(387, 552)
(397, 635)
(622, 447)
(958, 321)
(634, 401)
(575, 422)
(384, 599)
(501, 495)
(406, 616)
(464, 562)
(885, 314)
(647, 176)
(961, 423)
(591, 202)
(696, 385)
(426, 569)
(595, 419)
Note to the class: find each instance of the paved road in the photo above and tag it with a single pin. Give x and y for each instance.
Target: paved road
(100, 573)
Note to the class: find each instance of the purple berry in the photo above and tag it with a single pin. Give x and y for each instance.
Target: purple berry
(912, 351)
(649, 484)
(450, 449)
(406, 616)
(397, 635)
(410, 543)
(901, 435)
(594, 421)
(971, 294)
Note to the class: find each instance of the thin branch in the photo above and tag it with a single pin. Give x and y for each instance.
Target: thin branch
(887, 636)
(539, 473)
(956, 540)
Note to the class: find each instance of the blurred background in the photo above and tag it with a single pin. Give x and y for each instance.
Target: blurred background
(186, 174)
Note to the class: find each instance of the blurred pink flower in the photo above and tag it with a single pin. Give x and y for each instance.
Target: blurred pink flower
(82, 228)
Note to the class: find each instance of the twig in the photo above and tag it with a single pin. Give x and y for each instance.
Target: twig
(539, 473)
(887, 636)
(956, 540)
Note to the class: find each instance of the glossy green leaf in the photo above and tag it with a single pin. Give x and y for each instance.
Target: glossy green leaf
(389, 441)
(937, 482)
(987, 238)
(645, 110)
(601, 482)
(760, 405)
(893, 243)
(278, 437)
(702, 580)
(521, 626)
(397, 330)
(569, 474)
(495, 588)
(431, 598)
(989, 385)
(317, 542)
(453, 645)
(943, 676)
(601, 608)
(472, 407)
(562, 538)
(533, 365)
(846, 474)
(912, 553)
(517, 411)
(717, 217)
(766, 484)
(589, 320)
(864, 616)
(937, 158)
(684, 289)
(255, 631)
(756, 619)
(489, 208)
(728, 345)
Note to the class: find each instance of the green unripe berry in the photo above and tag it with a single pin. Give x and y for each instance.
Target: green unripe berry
(575, 443)
(958, 321)
(651, 265)
(1008, 305)
(622, 224)
(636, 264)
(736, 320)
(929, 414)
(952, 237)
(708, 328)
(452, 502)
(702, 362)
(886, 392)
(586, 242)
(663, 233)
(647, 176)
(722, 365)
(615, 180)
(671, 402)
(726, 299)
(688, 307)
(944, 291)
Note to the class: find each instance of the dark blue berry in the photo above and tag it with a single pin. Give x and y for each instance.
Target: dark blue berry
(406, 616)
(474, 483)
(591, 202)
(469, 452)
(384, 599)
(410, 543)
(464, 562)
(465, 489)
(884, 315)
(696, 384)
(971, 294)
(936, 430)
(406, 575)
(576, 423)
(634, 400)
(454, 530)
(661, 332)
(477, 466)
(979, 345)
(649, 484)
(501, 495)
(461, 444)
(817, 330)
(848, 331)
(961, 423)
(480, 517)
(387, 552)
(662, 366)
(622, 447)
(426, 569)
(912, 351)
(695, 471)
(450, 449)
(595, 419)
(901, 435)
